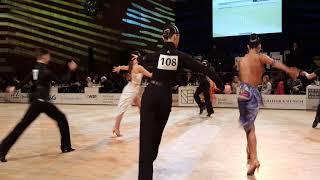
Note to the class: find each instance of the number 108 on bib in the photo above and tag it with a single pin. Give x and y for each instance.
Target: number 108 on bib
(168, 62)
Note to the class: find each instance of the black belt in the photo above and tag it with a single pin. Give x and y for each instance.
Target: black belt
(159, 83)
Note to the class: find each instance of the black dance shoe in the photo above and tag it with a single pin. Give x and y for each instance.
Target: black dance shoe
(201, 110)
(2, 157)
(315, 123)
(67, 150)
(210, 113)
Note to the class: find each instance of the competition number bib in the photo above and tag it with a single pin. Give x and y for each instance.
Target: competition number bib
(168, 62)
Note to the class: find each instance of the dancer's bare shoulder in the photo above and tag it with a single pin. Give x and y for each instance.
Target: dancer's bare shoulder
(265, 59)
(141, 69)
(136, 68)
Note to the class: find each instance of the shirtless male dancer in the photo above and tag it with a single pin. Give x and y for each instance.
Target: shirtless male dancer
(251, 69)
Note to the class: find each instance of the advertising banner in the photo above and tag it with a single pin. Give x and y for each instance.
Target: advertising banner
(313, 96)
(284, 102)
(184, 98)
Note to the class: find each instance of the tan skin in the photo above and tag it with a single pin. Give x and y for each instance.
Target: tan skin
(136, 68)
(309, 76)
(252, 67)
(251, 71)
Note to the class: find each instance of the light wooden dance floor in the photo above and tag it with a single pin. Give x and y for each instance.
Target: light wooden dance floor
(193, 147)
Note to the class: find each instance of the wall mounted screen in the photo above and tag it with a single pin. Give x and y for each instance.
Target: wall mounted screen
(243, 17)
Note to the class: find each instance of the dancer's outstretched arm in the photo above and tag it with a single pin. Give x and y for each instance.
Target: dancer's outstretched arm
(292, 71)
(117, 69)
(312, 75)
(144, 71)
(72, 66)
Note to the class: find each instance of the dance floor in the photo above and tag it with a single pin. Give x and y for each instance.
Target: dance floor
(193, 147)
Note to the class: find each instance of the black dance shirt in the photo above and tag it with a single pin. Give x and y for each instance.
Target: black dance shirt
(317, 72)
(42, 78)
(165, 63)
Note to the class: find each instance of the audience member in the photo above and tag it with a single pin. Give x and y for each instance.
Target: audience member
(235, 84)
(266, 86)
(227, 88)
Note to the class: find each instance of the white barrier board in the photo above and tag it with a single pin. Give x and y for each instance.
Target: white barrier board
(184, 98)
(313, 96)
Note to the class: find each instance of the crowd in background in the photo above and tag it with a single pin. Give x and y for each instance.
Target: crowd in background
(107, 83)
(273, 82)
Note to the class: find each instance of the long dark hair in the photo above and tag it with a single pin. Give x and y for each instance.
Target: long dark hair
(131, 62)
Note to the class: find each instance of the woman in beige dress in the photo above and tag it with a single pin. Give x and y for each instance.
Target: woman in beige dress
(131, 90)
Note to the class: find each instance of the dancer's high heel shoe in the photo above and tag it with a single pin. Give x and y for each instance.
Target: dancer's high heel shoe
(116, 132)
(254, 165)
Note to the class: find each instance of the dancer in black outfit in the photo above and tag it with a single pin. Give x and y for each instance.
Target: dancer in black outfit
(312, 76)
(157, 97)
(41, 78)
(204, 87)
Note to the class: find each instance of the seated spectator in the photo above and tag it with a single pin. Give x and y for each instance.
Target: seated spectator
(280, 90)
(190, 79)
(295, 86)
(102, 80)
(235, 84)
(273, 85)
(227, 88)
(186, 79)
(95, 79)
(89, 82)
(106, 85)
(15, 80)
(266, 87)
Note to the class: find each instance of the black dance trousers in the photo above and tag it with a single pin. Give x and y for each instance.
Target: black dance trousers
(155, 110)
(205, 90)
(318, 114)
(34, 110)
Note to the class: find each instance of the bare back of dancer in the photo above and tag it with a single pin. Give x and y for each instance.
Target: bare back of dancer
(252, 67)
